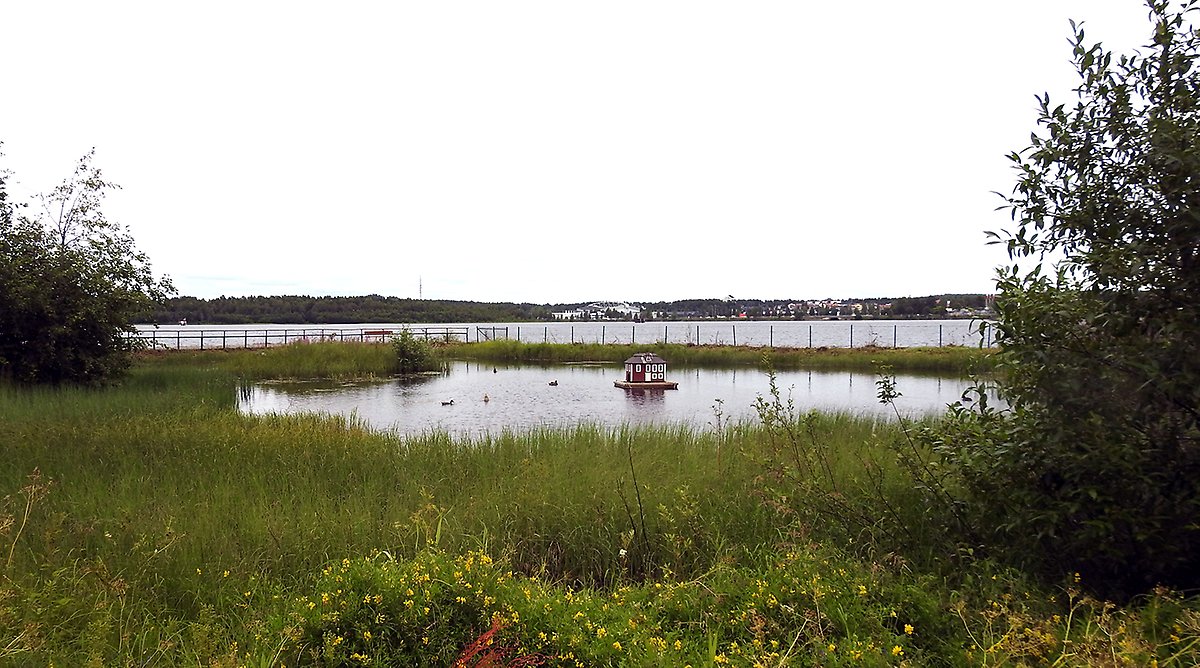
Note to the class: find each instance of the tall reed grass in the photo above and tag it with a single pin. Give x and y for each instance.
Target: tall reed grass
(945, 360)
(151, 523)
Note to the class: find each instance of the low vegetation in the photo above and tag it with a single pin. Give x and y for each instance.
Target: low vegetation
(152, 527)
(949, 360)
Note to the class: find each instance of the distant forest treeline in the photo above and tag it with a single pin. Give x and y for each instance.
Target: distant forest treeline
(328, 310)
(375, 308)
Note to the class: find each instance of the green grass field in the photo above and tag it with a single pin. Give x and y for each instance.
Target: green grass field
(151, 524)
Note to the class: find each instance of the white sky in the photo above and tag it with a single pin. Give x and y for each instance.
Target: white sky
(548, 151)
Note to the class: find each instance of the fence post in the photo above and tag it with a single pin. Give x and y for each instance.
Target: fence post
(572, 333)
(665, 335)
(633, 334)
(177, 342)
(771, 337)
(851, 335)
(223, 332)
(810, 336)
(602, 334)
(734, 328)
(894, 327)
(939, 336)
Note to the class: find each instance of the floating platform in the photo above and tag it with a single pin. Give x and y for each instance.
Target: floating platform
(647, 385)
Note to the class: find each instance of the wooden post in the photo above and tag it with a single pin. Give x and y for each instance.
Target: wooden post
(771, 339)
(810, 336)
(572, 333)
(602, 334)
(894, 327)
(939, 336)
(734, 327)
(665, 335)
(851, 335)
(222, 339)
(633, 334)
(545, 333)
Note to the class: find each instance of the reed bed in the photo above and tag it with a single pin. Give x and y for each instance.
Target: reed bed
(323, 359)
(150, 523)
(950, 360)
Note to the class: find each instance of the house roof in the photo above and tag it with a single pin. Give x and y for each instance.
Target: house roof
(645, 358)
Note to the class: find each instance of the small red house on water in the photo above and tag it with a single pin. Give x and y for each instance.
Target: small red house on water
(646, 370)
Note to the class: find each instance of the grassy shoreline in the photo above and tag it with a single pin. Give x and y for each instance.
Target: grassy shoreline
(165, 528)
(949, 359)
(342, 360)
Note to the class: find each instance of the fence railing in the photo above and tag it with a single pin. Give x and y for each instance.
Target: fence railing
(210, 339)
(796, 334)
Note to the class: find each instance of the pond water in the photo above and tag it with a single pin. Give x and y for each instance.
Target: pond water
(521, 397)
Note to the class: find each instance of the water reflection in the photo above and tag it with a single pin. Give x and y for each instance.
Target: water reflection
(646, 397)
(522, 397)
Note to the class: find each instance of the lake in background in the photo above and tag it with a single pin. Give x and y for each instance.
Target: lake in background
(521, 397)
(779, 333)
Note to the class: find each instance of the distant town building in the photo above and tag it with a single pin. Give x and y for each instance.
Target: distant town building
(601, 311)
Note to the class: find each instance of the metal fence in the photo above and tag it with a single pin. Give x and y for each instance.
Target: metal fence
(210, 339)
(766, 334)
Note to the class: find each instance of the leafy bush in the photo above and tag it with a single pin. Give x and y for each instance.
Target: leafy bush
(1096, 466)
(414, 355)
(71, 284)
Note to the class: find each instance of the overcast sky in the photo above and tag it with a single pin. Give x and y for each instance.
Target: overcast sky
(548, 151)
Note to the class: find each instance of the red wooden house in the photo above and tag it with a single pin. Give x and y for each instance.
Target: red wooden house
(646, 370)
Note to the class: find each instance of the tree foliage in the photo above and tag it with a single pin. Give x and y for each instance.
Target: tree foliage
(1095, 467)
(414, 355)
(71, 283)
(323, 310)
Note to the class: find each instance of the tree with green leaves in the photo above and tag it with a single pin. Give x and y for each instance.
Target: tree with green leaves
(71, 284)
(1095, 466)
(414, 355)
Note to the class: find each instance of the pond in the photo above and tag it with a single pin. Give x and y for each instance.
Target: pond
(474, 397)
